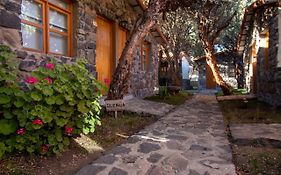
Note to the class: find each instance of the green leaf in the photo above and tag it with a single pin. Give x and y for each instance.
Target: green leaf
(48, 91)
(19, 103)
(82, 107)
(7, 126)
(19, 147)
(6, 91)
(30, 149)
(61, 121)
(8, 115)
(60, 100)
(36, 96)
(58, 134)
(52, 140)
(47, 119)
(86, 130)
(2, 149)
(66, 141)
(61, 146)
(4, 99)
(50, 100)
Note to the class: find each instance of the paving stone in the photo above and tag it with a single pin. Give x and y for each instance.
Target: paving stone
(117, 171)
(193, 172)
(91, 169)
(256, 131)
(154, 158)
(129, 159)
(210, 164)
(120, 150)
(155, 170)
(133, 140)
(148, 147)
(177, 162)
(177, 137)
(174, 145)
(199, 148)
(107, 159)
(156, 133)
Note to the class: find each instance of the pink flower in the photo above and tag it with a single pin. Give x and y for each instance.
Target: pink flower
(50, 66)
(107, 81)
(31, 80)
(68, 130)
(49, 80)
(45, 148)
(37, 122)
(21, 131)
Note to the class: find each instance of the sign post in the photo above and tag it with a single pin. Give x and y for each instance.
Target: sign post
(115, 105)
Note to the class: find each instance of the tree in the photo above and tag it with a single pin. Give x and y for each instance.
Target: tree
(119, 84)
(211, 18)
(229, 37)
(181, 35)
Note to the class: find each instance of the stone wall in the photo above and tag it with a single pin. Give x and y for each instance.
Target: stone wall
(145, 83)
(268, 72)
(84, 37)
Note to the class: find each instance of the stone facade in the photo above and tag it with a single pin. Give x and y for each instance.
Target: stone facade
(265, 79)
(83, 38)
(145, 83)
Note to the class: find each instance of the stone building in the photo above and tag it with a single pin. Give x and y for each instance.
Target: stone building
(259, 45)
(38, 30)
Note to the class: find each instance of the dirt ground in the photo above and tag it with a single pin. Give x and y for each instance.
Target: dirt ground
(81, 152)
(253, 158)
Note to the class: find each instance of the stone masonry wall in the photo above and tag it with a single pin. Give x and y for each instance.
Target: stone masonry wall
(84, 37)
(269, 79)
(145, 83)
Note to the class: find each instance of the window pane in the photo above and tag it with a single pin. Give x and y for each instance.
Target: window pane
(31, 11)
(32, 37)
(58, 43)
(59, 3)
(58, 20)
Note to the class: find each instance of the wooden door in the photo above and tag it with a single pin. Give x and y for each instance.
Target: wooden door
(210, 79)
(104, 59)
(122, 38)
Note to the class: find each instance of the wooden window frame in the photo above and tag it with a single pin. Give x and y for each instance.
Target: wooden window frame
(145, 48)
(46, 5)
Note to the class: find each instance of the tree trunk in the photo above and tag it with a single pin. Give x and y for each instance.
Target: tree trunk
(119, 85)
(173, 73)
(211, 61)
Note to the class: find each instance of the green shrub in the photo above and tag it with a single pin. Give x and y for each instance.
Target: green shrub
(163, 91)
(41, 113)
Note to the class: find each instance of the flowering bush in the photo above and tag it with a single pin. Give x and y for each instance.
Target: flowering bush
(40, 113)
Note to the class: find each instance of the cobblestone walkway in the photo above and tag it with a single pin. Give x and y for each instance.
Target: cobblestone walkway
(191, 140)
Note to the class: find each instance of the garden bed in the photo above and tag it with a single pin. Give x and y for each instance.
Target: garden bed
(172, 99)
(253, 157)
(81, 152)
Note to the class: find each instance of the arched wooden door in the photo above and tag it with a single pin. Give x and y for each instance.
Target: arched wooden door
(104, 59)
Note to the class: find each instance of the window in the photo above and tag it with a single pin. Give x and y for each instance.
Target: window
(145, 47)
(46, 26)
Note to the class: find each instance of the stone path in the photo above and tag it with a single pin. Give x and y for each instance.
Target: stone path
(191, 140)
(256, 131)
(140, 106)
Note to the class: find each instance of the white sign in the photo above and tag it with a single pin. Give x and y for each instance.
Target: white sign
(114, 105)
